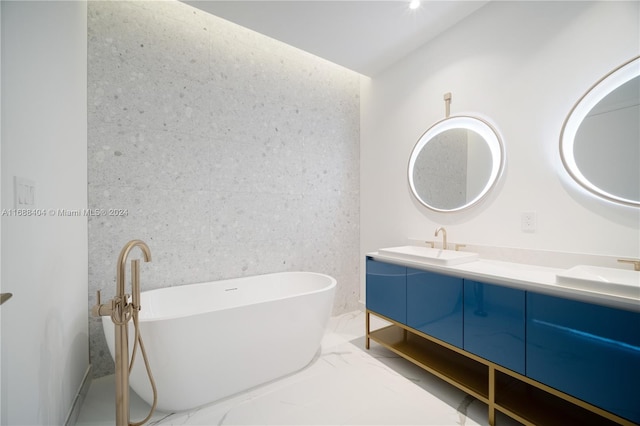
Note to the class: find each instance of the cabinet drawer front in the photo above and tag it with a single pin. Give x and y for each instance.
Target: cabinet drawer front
(434, 305)
(387, 290)
(589, 351)
(494, 324)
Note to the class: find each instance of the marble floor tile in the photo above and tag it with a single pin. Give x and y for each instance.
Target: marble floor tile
(344, 385)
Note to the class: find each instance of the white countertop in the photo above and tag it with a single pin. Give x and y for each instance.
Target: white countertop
(539, 279)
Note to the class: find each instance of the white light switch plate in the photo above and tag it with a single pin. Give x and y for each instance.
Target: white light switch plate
(24, 191)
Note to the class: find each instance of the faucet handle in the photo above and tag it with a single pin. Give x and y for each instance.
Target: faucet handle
(95, 310)
(634, 262)
(100, 310)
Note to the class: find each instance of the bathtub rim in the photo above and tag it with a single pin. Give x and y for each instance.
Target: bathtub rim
(330, 287)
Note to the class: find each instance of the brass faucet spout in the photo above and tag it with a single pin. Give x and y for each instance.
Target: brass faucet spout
(444, 236)
(122, 260)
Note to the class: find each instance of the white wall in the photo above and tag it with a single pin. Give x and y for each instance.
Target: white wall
(3, 393)
(523, 65)
(44, 259)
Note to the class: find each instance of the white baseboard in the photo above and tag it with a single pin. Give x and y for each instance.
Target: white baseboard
(74, 412)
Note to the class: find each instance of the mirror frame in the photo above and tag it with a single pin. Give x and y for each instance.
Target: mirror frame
(578, 113)
(478, 125)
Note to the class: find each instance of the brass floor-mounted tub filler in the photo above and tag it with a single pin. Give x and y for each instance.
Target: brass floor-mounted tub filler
(122, 309)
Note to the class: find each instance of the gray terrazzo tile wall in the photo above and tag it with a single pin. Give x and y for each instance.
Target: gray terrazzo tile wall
(230, 153)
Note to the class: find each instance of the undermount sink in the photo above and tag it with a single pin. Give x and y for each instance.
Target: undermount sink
(430, 255)
(620, 282)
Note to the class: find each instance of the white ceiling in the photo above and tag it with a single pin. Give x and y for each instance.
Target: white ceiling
(364, 36)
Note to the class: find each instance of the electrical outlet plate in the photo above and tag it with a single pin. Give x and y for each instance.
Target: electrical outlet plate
(528, 221)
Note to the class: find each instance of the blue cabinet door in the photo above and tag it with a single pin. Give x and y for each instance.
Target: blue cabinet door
(386, 291)
(589, 351)
(434, 305)
(494, 324)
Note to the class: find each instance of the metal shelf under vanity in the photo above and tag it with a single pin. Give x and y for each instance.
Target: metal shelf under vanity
(524, 400)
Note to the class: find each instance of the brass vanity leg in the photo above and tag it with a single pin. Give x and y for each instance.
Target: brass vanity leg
(492, 395)
(366, 321)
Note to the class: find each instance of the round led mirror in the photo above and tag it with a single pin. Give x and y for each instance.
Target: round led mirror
(600, 139)
(455, 163)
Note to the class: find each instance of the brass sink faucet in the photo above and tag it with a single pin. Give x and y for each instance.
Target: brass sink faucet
(444, 237)
(634, 262)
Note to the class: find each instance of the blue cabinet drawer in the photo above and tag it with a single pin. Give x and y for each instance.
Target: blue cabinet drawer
(434, 305)
(494, 324)
(589, 351)
(386, 291)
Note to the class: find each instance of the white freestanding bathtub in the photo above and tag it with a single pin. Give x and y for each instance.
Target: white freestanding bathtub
(211, 340)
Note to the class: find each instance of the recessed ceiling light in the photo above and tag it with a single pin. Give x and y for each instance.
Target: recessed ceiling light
(414, 4)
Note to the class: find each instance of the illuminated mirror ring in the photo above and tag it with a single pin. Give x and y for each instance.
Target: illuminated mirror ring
(437, 168)
(590, 105)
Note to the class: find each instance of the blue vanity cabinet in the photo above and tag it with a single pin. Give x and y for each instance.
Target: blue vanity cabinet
(386, 291)
(494, 324)
(434, 305)
(589, 351)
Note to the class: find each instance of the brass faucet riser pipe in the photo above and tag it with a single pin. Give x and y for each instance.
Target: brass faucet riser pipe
(123, 309)
(122, 374)
(121, 312)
